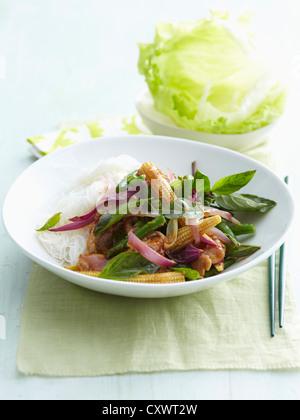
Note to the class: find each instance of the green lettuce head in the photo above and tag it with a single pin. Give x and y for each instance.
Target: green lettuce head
(209, 76)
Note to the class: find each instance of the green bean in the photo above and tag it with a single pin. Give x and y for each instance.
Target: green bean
(241, 251)
(229, 233)
(140, 233)
(245, 229)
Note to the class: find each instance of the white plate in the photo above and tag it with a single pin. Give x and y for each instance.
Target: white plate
(163, 125)
(35, 192)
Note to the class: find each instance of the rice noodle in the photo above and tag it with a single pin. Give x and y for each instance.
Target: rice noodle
(84, 193)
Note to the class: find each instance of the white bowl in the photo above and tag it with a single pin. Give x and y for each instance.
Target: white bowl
(163, 125)
(35, 193)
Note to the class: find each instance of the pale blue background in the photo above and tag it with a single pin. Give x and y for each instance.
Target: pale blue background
(68, 59)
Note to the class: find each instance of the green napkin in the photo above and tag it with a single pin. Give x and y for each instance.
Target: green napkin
(70, 331)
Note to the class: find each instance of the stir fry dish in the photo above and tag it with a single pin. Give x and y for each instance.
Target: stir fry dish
(161, 228)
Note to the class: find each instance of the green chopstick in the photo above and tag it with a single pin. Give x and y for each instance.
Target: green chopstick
(281, 284)
(272, 290)
(282, 277)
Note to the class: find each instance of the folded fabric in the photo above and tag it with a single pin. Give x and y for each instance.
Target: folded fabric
(72, 132)
(70, 331)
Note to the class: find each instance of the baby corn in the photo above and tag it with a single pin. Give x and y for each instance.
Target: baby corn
(90, 273)
(159, 183)
(76, 269)
(73, 268)
(185, 234)
(159, 278)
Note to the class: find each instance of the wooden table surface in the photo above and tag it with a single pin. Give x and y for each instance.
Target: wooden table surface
(63, 60)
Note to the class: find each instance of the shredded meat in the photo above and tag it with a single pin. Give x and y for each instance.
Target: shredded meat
(102, 243)
(129, 222)
(155, 242)
(210, 256)
(94, 262)
(91, 243)
(216, 254)
(202, 264)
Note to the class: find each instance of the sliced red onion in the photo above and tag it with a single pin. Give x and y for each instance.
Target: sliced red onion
(111, 201)
(118, 198)
(103, 205)
(84, 217)
(224, 214)
(194, 196)
(198, 238)
(115, 198)
(195, 232)
(217, 232)
(205, 239)
(74, 225)
(189, 255)
(149, 253)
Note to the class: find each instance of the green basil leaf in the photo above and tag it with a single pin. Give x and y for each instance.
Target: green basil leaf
(51, 223)
(106, 221)
(127, 265)
(265, 203)
(232, 183)
(189, 273)
(199, 175)
(244, 202)
(208, 201)
(129, 180)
